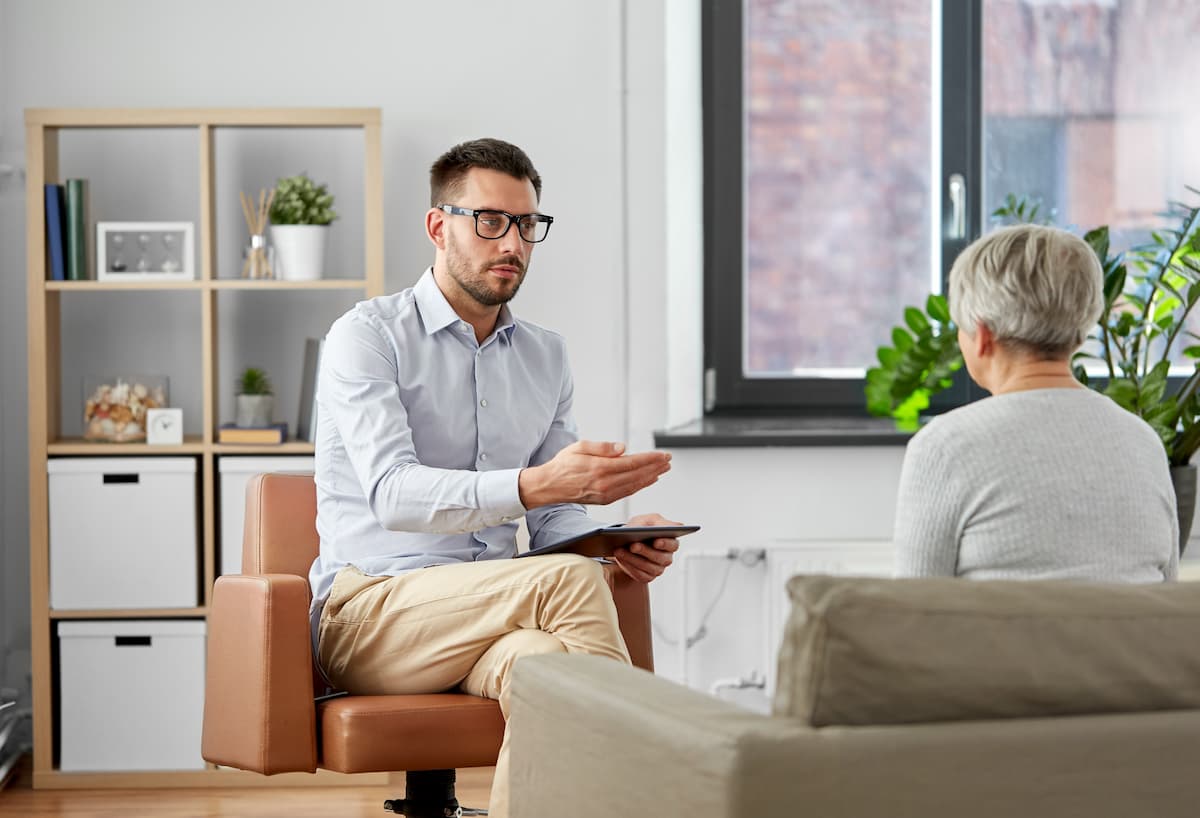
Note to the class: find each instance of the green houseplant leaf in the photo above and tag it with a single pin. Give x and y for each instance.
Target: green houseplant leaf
(920, 363)
(299, 200)
(254, 381)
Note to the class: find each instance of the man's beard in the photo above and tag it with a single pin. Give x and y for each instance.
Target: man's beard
(474, 282)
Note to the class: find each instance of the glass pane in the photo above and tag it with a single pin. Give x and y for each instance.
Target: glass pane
(1088, 105)
(838, 180)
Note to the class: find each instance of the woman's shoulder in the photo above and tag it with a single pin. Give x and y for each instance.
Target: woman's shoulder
(1053, 412)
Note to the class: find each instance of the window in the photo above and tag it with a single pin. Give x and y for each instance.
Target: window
(840, 137)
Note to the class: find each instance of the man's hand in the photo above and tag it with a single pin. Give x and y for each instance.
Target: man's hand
(646, 561)
(592, 473)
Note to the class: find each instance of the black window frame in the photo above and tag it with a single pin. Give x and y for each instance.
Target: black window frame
(727, 391)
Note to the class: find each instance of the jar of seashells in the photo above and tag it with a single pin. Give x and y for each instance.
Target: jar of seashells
(114, 408)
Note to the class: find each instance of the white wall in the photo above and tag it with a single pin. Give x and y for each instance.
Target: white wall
(605, 98)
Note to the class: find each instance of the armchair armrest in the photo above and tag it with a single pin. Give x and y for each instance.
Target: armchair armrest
(633, 615)
(258, 704)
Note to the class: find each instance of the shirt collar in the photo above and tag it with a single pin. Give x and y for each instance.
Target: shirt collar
(437, 314)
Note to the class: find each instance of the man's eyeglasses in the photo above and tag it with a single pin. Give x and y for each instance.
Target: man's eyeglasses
(494, 224)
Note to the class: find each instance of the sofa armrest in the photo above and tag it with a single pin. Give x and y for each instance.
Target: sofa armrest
(627, 742)
(594, 738)
(258, 693)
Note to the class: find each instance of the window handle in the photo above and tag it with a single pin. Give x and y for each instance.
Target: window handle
(958, 206)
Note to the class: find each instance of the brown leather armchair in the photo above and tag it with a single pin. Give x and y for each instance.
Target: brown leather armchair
(260, 709)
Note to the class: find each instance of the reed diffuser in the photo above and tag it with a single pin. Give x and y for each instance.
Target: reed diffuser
(257, 263)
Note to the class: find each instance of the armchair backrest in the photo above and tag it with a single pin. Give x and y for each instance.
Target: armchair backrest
(280, 536)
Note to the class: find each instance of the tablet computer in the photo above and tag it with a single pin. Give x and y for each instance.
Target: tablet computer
(602, 542)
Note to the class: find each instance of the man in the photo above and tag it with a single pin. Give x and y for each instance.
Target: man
(443, 419)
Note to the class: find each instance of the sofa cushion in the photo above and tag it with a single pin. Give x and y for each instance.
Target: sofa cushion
(862, 651)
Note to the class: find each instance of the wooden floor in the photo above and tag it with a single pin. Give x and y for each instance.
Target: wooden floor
(19, 799)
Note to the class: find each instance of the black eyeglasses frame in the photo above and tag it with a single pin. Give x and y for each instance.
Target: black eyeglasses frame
(513, 218)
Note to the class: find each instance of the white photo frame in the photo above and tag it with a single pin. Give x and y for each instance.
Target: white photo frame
(145, 251)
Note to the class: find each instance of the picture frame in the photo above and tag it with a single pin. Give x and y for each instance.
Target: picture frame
(145, 251)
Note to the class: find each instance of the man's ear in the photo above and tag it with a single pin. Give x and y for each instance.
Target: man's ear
(435, 227)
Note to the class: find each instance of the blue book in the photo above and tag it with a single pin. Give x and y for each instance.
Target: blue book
(55, 238)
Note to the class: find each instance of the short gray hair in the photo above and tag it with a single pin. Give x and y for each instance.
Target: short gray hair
(1039, 289)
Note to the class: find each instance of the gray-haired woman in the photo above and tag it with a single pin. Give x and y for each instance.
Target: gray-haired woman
(1046, 478)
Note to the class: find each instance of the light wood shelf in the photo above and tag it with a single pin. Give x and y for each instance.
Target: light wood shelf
(132, 613)
(42, 129)
(213, 284)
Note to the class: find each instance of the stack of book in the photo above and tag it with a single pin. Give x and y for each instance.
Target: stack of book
(68, 243)
(10, 746)
(275, 433)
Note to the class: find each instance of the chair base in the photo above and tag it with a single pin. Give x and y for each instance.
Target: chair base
(429, 794)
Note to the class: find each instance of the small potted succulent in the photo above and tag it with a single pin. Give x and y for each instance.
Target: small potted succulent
(301, 212)
(255, 399)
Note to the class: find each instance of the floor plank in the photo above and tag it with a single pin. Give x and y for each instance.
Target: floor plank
(19, 799)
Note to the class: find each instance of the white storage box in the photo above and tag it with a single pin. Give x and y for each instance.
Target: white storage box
(123, 533)
(236, 471)
(132, 695)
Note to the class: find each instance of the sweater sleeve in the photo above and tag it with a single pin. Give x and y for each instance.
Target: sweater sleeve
(929, 511)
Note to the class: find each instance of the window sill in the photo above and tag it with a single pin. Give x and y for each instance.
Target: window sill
(725, 432)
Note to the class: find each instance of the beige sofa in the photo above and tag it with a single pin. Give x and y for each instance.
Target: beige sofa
(895, 698)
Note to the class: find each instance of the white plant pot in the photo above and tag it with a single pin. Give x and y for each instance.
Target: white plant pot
(254, 411)
(299, 250)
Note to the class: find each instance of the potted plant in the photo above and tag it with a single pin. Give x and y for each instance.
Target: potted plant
(1149, 294)
(255, 399)
(301, 212)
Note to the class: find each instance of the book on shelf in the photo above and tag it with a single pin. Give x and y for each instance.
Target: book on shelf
(56, 249)
(275, 433)
(306, 426)
(78, 244)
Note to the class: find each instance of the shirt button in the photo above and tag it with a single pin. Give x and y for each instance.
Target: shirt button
(483, 403)
(483, 456)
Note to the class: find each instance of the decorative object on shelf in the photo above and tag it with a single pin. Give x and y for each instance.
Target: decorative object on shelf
(256, 261)
(164, 427)
(306, 426)
(255, 399)
(269, 434)
(114, 408)
(56, 218)
(144, 251)
(300, 216)
(79, 250)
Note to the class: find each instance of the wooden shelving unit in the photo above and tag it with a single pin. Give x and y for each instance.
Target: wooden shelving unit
(43, 127)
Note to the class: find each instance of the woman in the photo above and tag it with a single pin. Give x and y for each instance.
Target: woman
(1046, 478)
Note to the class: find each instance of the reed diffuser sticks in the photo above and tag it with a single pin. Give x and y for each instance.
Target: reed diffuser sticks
(257, 265)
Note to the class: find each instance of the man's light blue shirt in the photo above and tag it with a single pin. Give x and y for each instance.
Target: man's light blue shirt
(422, 433)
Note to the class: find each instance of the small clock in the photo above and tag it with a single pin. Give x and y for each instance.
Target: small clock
(164, 426)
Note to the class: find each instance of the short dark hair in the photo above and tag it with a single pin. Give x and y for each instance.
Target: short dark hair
(448, 173)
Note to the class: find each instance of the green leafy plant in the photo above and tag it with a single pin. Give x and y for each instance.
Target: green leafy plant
(299, 200)
(254, 381)
(920, 364)
(1149, 294)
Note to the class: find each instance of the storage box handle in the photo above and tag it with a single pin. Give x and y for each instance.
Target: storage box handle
(120, 478)
(131, 641)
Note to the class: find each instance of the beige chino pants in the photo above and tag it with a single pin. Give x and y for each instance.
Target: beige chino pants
(465, 625)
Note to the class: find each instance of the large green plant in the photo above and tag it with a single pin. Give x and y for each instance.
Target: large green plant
(1149, 294)
(299, 200)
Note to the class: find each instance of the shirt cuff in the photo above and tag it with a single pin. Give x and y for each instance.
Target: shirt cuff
(500, 496)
